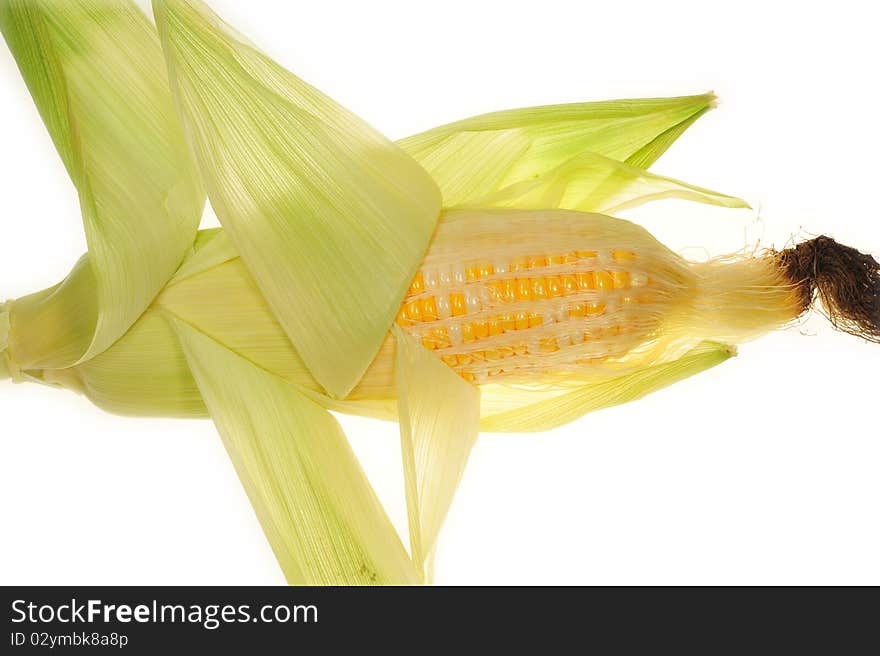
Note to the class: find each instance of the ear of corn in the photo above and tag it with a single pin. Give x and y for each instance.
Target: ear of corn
(324, 211)
(96, 73)
(317, 508)
(439, 423)
(480, 156)
(549, 300)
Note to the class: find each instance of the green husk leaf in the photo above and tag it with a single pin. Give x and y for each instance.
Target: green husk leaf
(645, 156)
(439, 416)
(330, 217)
(593, 183)
(317, 508)
(97, 76)
(570, 405)
(478, 156)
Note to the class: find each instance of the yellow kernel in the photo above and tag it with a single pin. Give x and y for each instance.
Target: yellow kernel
(521, 349)
(586, 280)
(603, 280)
(412, 311)
(535, 320)
(620, 279)
(579, 310)
(496, 290)
(495, 327)
(429, 309)
(623, 256)
(557, 259)
(467, 332)
(492, 354)
(554, 287)
(486, 270)
(505, 351)
(418, 284)
(464, 358)
(457, 305)
(585, 254)
(481, 329)
(537, 261)
(508, 322)
(594, 308)
(451, 360)
(429, 343)
(469, 377)
(569, 258)
(472, 273)
(522, 320)
(569, 284)
(508, 294)
(523, 289)
(539, 288)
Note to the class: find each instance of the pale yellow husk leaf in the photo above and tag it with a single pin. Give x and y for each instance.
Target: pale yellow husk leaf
(96, 73)
(330, 217)
(439, 416)
(480, 156)
(317, 508)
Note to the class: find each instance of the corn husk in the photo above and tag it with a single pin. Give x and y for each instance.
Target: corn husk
(96, 73)
(478, 157)
(325, 212)
(317, 508)
(439, 424)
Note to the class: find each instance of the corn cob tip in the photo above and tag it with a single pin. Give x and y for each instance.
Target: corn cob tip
(845, 280)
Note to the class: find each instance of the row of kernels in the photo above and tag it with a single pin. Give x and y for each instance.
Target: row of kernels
(486, 355)
(470, 331)
(545, 345)
(511, 290)
(466, 332)
(442, 306)
(475, 272)
(432, 308)
(432, 277)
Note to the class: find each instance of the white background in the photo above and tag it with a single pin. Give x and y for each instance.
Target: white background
(761, 471)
